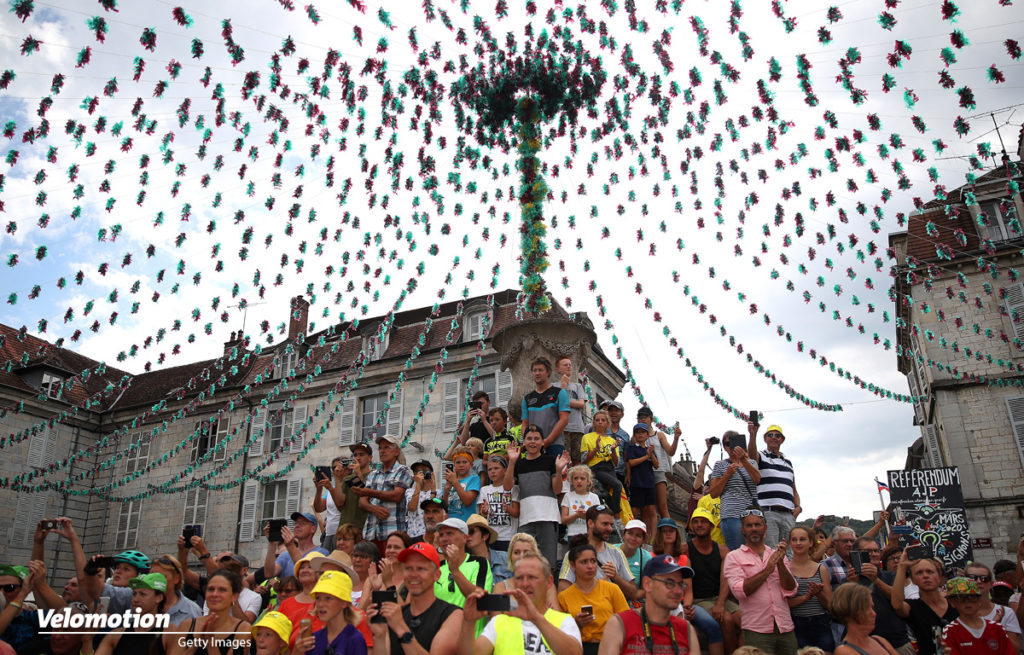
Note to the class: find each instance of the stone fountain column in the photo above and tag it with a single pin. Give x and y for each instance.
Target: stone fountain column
(520, 343)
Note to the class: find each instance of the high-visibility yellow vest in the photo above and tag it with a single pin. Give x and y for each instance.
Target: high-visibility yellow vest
(509, 631)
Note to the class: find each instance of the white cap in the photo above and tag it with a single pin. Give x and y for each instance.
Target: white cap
(639, 525)
(455, 524)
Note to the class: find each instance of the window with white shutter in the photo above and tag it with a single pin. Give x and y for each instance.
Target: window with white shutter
(450, 409)
(473, 326)
(127, 535)
(293, 495)
(137, 458)
(250, 501)
(485, 382)
(503, 389)
(347, 423)
(274, 502)
(298, 416)
(1015, 309)
(42, 448)
(287, 360)
(369, 413)
(211, 433)
(1015, 406)
(258, 431)
(195, 507)
(394, 421)
(30, 510)
(52, 385)
(932, 451)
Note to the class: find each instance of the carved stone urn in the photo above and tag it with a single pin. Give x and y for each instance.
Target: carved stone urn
(520, 343)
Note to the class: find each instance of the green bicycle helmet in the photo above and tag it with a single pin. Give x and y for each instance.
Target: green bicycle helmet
(134, 558)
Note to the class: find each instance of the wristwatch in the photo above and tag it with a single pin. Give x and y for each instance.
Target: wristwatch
(205, 556)
(406, 638)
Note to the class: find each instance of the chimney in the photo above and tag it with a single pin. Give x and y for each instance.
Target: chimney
(297, 320)
(234, 341)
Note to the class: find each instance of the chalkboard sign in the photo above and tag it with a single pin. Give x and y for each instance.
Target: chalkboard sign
(932, 503)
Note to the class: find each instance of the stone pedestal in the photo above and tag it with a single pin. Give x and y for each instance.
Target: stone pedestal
(521, 343)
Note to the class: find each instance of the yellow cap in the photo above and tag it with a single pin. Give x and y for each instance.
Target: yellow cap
(309, 557)
(277, 622)
(703, 513)
(334, 583)
(775, 428)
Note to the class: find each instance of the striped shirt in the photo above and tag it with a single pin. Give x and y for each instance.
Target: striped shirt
(739, 491)
(777, 482)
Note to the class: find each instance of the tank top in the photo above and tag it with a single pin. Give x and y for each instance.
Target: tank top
(135, 643)
(812, 606)
(634, 642)
(664, 461)
(707, 570)
(423, 626)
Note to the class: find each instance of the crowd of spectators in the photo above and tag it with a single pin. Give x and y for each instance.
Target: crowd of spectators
(518, 546)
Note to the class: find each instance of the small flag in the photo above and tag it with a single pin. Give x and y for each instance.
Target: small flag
(881, 485)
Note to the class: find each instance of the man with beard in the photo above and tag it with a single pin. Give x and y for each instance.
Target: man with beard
(653, 629)
(434, 513)
(425, 624)
(614, 567)
(760, 579)
(710, 589)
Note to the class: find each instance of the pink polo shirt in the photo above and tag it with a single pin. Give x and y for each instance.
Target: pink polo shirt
(766, 607)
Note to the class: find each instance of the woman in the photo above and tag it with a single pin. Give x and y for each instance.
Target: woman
(851, 606)
(520, 544)
(735, 481)
(347, 537)
(148, 594)
(333, 600)
(890, 557)
(271, 633)
(809, 607)
(928, 612)
(365, 558)
(217, 633)
(539, 477)
(176, 606)
(389, 573)
(288, 587)
(300, 606)
(667, 540)
(589, 600)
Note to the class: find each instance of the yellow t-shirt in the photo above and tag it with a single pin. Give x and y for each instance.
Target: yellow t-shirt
(605, 443)
(713, 505)
(606, 599)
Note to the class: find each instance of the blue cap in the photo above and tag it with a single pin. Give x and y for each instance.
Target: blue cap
(641, 426)
(667, 564)
(309, 516)
(667, 523)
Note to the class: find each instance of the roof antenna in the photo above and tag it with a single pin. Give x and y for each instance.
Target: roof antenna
(1006, 158)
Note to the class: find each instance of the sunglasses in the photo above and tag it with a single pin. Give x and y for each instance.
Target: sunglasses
(774, 435)
(978, 577)
(752, 512)
(10, 587)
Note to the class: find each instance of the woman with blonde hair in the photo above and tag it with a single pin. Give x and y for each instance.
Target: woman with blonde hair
(809, 607)
(851, 606)
(520, 544)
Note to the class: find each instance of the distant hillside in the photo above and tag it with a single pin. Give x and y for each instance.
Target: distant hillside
(858, 525)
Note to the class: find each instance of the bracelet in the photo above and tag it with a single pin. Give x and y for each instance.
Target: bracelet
(15, 603)
(205, 556)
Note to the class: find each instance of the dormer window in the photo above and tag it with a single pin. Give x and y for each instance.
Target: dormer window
(994, 223)
(473, 329)
(289, 359)
(375, 349)
(52, 385)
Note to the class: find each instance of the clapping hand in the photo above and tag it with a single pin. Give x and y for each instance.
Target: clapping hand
(814, 588)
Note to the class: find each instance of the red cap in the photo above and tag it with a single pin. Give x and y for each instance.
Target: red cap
(421, 548)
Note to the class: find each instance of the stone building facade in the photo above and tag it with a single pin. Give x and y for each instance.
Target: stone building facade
(960, 328)
(321, 392)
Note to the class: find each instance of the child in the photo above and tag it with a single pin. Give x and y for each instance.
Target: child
(461, 487)
(640, 464)
(970, 634)
(332, 600)
(578, 500)
(600, 451)
(574, 428)
(501, 509)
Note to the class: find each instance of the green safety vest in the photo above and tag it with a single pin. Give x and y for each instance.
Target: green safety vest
(509, 631)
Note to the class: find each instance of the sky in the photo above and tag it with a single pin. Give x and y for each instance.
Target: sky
(660, 217)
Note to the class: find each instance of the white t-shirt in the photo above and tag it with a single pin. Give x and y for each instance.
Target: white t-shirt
(503, 523)
(1009, 620)
(333, 515)
(532, 640)
(414, 520)
(248, 600)
(576, 503)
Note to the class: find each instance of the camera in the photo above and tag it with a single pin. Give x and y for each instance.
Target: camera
(476, 404)
(714, 441)
(48, 524)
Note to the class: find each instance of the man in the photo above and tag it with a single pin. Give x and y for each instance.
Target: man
(982, 576)
(329, 493)
(530, 626)
(710, 589)
(425, 625)
(574, 428)
(359, 470)
(382, 496)
(776, 492)
(653, 629)
(838, 564)
(70, 591)
(298, 543)
(614, 567)
(760, 580)
(461, 573)
(91, 586)
(497, 444)
(547, 407)
(664, 452)
(424, 487)
(888, 624)
(615, 412)
(435, 512)
(476, 424)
